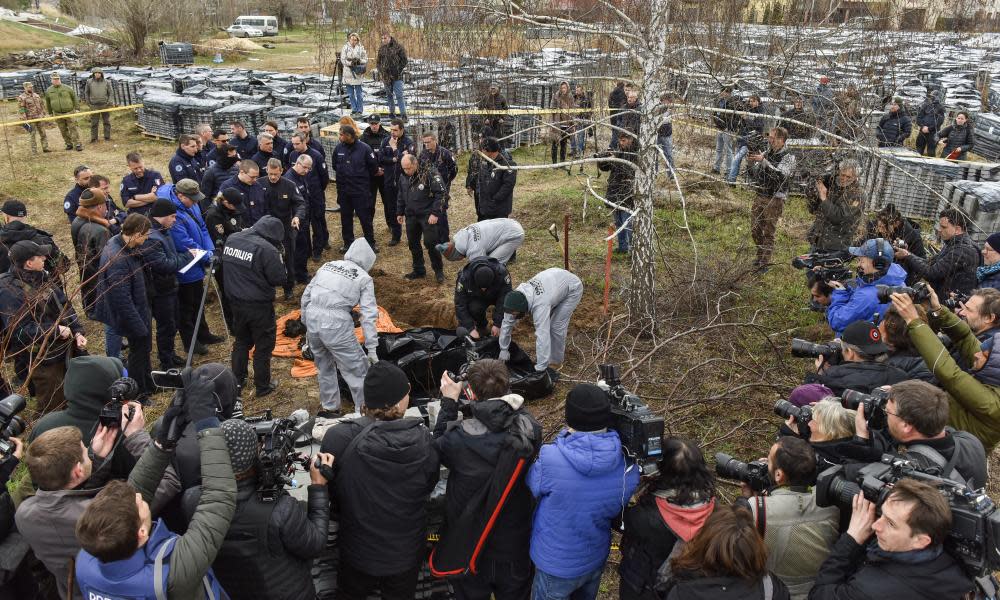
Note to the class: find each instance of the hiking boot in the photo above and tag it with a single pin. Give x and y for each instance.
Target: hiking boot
(324, 413)
(375, 248)
(439, 276)
(553, 374)
(79, 147)
(268, 389)
(46, 150)
(211, 339)
(414, 275)
(288, 296)
(200, 349)
(177, 361)
(394, 242)
(69, 146)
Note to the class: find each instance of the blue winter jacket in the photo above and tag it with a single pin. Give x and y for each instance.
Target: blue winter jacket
(188, 232)
(860, 303)
(582, 483)
(355, 165)
(121, 290)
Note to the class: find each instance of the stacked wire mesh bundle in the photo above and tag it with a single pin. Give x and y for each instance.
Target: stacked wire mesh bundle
(12, 83)
(987, 132)
(286, 117)
(253, 116)
(980, 201)
(192, 112)
(176, 53)
(159, 115)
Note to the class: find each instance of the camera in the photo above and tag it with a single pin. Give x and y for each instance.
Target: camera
(954, 302)
(802, 414)
(874, 404)
(825, 266)
(975, 528)
(277, 457)
(122, 391)
(920, 292)
(640, 430)
(11, 424)
(756, 143)
(754, 473)
(831, 352)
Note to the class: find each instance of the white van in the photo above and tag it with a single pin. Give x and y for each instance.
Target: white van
(269, 25)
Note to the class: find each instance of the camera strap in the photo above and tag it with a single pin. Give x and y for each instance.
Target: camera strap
(947, 465)
(761, 505)
(357, 439)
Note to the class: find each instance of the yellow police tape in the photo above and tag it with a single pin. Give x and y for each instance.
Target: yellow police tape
(71, 115)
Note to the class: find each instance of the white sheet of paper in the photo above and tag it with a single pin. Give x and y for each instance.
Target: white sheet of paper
(198, 256)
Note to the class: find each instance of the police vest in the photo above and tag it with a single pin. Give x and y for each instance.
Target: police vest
(250, 565)
(149, 566)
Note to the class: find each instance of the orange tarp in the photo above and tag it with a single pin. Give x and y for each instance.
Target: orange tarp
(287, 347)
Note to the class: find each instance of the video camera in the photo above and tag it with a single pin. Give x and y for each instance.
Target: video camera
(954, 302)
(920, 292)
(874, 404)
(753, 473)
(802, 414)
(122, 391)
(11, 424)
(826, 266)
(277, 457)
(975, 528)
(471, 356)
(831, 352)
(756, 143)
(640, 430)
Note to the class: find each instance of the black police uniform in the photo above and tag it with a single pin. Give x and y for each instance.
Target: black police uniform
(303, 239)
(183, 166)
(418, 197)
(254, 202)
(284, 202)
(444, 161)
(252, 268)
(355, 165)
(222, 223)
(374, 141)
(471, 302)
(317, 180)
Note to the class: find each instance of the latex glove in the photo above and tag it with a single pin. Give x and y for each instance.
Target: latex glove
(504, 355)
(372, 356)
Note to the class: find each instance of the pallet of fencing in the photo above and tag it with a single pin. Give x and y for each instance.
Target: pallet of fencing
(12, 83)
(192, 112)
(176, 53)
(987, 133)
(979, 201)
(159, 115)
(287, 118)
(253, 116)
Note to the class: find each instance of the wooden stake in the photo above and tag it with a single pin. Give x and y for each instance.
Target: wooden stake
(607, 270)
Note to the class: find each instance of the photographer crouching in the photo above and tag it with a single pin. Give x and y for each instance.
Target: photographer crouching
(856, 361)
(906, 561)
(838, 208)
(270, 544)
(859, 300)
(974, 395)
(798, 533)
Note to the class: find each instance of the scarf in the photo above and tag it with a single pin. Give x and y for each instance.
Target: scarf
(910, 557)
(986, 270)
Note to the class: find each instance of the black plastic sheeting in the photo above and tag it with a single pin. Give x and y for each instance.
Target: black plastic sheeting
(425, 353)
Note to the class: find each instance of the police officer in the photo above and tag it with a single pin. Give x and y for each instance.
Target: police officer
(317, 178)
(355, 165)
(223, 219)
(254, 195)
(390, 156)
(138, 189)
(441, 159)
(419, 204)
(482, 283)
(297, 174)
(374, 135)
(252, 267)
(185, 163)
(339, 286)
(265, 150)
(285, 203)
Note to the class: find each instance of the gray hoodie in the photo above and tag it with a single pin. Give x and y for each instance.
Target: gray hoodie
(97, 93)
(339, 286)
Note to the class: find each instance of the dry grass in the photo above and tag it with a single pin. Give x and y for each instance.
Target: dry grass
(15, 37)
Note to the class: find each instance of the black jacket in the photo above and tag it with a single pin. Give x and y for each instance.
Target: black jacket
(31, 305)
(496, 188)
(694, 587)
(953, 269)
(970, 461)
(391, 61)
(421, 194)
(913, 365)
(796, 131)
(860, 376)
(894, 129)
(959, 136)
(215, 176)
(374, 141)
(355, 165)
(89, 238)
(391, 160)
(222, 223)
(727, 121)
(17, 231)
(122, 300)
(621, 180)
(848, 575)
(771, 175)
(269, 547)
(908, 231)
(284, 201)
(380, 491)
(252, 263)
(930, 115)
(466, 291)
(161, 261)
(472, 449)
(647, 542)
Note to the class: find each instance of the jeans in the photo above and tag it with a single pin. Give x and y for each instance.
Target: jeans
(625, 235)
(581, 142)
(394, 96)
(734, 169)
(666, 143)
(112, 343)
(550, 587)
(356, 96)
(723, 150)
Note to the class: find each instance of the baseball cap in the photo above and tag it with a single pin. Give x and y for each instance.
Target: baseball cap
(189, 187)
(14, 208)
(865, 336)
(25, 249)
(872, 249)
(373, 118)
(233, 196)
